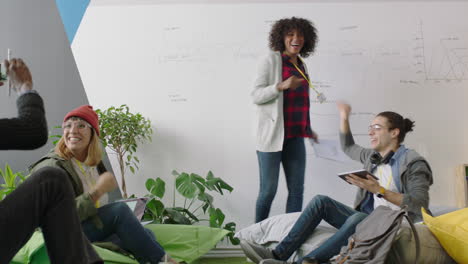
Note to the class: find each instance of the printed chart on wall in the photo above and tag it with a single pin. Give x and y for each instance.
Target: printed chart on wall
(190, 69)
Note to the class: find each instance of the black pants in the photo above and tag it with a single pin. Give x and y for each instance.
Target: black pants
(46, 200)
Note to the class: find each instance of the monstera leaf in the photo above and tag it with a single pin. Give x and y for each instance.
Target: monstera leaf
(217, 184)
(189, 185)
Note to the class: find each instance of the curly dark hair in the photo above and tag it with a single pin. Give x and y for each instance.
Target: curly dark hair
(285, 25)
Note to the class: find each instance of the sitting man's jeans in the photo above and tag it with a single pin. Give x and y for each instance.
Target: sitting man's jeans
(118, 219)
(338, 215)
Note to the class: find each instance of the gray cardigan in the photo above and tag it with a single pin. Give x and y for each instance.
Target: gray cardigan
(415, 176)
(269, 122)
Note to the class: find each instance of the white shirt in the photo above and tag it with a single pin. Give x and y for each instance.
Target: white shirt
(89, 176)
(385, 175)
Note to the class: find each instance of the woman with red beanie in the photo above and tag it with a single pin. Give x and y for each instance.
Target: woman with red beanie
(79, 153)
(45, 199)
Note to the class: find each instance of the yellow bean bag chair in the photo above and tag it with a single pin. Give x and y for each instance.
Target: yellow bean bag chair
(452, 232)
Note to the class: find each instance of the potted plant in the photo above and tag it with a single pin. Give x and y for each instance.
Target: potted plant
(196, 192)
(121, 132)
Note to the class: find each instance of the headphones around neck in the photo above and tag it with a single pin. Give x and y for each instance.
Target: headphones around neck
(377, 159)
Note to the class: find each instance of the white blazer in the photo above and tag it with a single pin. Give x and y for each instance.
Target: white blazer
(269, 102)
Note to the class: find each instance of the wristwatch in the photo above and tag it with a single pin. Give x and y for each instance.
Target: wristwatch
(381, 192)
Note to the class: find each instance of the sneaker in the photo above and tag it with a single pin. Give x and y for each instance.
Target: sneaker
(274, 261)
(255, 252)
(308, 260)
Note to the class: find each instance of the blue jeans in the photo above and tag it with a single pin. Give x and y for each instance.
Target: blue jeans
(119, 220)
(293, 159)
(340, 216)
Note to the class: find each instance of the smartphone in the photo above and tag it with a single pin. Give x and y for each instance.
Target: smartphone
(3, 76)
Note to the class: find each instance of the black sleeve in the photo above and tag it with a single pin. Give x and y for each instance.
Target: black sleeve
(29, 129)
(101, 168)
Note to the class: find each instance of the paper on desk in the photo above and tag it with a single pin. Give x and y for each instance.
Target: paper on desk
(329, 149)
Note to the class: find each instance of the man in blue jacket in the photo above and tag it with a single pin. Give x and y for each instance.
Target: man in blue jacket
(403, 176)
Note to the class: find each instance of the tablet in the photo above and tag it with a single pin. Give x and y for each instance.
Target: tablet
(137, 205)
(361, 173)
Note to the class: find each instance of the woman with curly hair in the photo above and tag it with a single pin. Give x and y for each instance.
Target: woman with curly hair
(281, 94)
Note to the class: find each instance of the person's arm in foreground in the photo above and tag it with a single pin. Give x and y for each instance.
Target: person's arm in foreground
(29, 129)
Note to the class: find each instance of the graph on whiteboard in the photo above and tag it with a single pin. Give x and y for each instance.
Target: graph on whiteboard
(445, 60)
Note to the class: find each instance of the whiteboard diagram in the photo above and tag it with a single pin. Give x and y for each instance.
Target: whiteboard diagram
(447, 60)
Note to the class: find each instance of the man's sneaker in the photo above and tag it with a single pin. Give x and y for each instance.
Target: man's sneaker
(308, 260)
(255, 252)
(274, 261)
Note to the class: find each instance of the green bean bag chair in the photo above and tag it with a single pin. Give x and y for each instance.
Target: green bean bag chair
(183, 242)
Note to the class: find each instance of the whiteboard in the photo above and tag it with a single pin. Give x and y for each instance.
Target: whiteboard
(190, 69)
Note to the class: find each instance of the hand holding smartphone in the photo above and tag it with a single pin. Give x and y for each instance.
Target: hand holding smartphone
(3, 76)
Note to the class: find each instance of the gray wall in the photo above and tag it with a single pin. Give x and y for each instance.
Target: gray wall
(34, 31)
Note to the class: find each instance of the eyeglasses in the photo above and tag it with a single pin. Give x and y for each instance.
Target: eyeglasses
(80, 125)
(375, 127)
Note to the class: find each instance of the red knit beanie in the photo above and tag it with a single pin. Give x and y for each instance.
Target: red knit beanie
(86, 113)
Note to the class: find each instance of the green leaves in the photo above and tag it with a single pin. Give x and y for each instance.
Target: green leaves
(56, 137)
(217, 184)
(156, 209)
(12, 181)
(156, 187)
(231, 226)
(177, 215)
(197, 201)
(122, 131)
(189, 185)
(207, 201)
(216, 217)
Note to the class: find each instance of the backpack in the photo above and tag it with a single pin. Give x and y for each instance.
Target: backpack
(374, 237)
